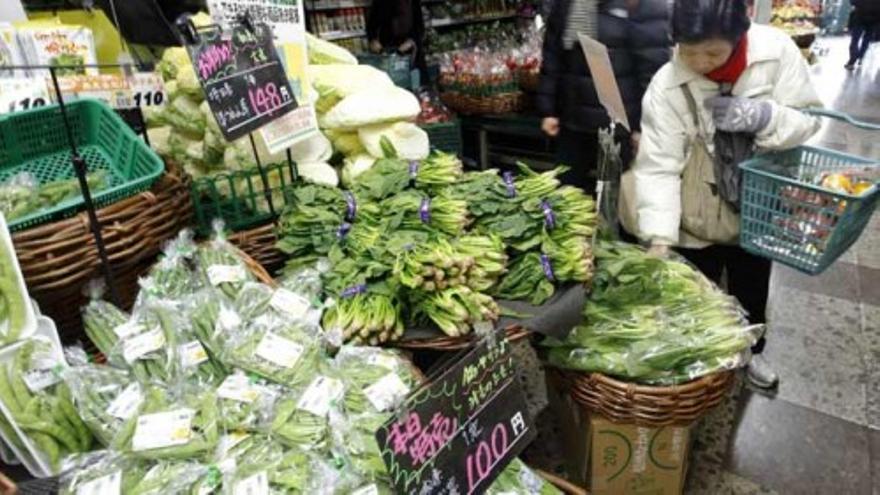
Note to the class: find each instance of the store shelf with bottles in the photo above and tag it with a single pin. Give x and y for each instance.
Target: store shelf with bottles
(339, 24)
(316, 6)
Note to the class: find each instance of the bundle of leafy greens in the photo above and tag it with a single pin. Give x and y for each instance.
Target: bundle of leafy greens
(654, 320)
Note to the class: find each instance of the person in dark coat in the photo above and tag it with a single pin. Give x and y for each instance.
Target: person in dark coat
(636, 33)
(398, 25)
(864, 22)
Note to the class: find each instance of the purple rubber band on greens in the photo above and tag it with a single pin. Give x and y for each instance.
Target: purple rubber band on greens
(413, 169)
(343, 230)
(549, 216)
(351, 206)
(354, 290)
(508, 183)
(425, 210)
(548, 268)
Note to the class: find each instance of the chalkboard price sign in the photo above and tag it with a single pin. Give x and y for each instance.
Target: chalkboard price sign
(244, 81)
(454, 436)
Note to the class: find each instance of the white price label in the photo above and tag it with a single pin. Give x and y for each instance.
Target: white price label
(38, 379)
(256, 484)
(238, 388)
(289, 303)
(320, 395)
(383, 360)
(165, 429)
(17, 94)
(278, 350)
(127, 402)
(147, 89)
(387, 392)
(227, 320)
(192, 354)
(128, 329)
(224, 274)
(142, 344)
(110, 484)
(366, 490)
(229, 441)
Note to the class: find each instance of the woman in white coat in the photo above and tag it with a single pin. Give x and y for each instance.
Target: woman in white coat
(727, 78)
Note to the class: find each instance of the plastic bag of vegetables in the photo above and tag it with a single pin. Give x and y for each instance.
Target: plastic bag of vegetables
(285, 352)
(221, 266)
(105, 397)
(169, 478)
(518, 479)
(40, 403)
(101, 472)
(246, 403)
(302, 420)
(179, 424)
(376, 380)
(148, 343)
(103, 322)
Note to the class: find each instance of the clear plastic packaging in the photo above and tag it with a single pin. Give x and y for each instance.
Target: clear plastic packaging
(148, 343)
(376, 380)
(103, 322)
(172, 277)
(105, 398)
(519, 479)
(302, 419)
(221, 267)
(246, 403)
(101, 472)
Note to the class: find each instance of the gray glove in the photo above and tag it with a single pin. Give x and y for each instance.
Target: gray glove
(737, 114)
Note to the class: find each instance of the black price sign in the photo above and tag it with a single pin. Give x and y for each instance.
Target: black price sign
(244, 81)
(457, 434)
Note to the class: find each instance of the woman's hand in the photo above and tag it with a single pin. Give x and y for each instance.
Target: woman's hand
(375, 46)
(406, 46)
(634, 139)
(658, 249)
(737, 114)
(550, 126)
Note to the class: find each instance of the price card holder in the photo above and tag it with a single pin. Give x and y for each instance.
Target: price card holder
(17, 94)
(604, 80)
(243, 78)
(459, 432)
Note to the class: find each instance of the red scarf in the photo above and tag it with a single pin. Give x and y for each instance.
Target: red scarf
(735, 65)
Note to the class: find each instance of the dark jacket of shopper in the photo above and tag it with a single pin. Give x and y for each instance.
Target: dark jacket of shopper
(392, 22)
(866, 12)
(638, 45)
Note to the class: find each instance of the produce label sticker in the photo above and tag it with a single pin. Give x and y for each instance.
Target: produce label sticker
(296, 126)
(366, 490)
(227, 465)
(229, 441)
(165, 429)
(127, 402)
(289, 303)
(227, 320)
(256, 484)
(128, 329)
(320, 395)
(192, 354)
(17, 94)
(143, 344)
(38, 379)
(278, 350)
(112, 89)
(147, 89)
(224, 274)
(238, 388)
(110, 484)
(383, 360)
(387, 392)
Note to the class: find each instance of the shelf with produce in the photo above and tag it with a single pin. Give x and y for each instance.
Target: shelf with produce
(342, 35)
(461, 22)
(316, 7)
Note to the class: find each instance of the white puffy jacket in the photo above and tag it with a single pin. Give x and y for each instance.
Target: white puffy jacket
(776, 72)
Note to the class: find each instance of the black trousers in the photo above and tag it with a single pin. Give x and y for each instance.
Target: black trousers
(748, 277)
(579, 151)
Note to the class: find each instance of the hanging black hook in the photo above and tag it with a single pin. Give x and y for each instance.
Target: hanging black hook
(187, 29)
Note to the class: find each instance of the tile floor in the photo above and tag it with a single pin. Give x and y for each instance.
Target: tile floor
(820, 432)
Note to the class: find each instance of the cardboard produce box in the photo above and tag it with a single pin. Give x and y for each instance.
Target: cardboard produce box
(621, 459)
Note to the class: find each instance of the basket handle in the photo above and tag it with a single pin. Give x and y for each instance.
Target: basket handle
(843, 117)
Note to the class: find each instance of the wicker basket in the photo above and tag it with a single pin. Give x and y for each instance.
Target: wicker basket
(514, 333)
(259, 244)
(60, 258)
(629, 403)
(500, 103)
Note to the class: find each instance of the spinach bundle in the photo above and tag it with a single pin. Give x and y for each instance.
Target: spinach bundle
(390, 176)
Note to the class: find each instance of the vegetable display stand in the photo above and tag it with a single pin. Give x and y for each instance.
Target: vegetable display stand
(239, 198)
(445, 136)
(646, 405)
(495, 104)
(795, 210)
(35, 141)
(445, 343)
(59, 259)
(259, 244)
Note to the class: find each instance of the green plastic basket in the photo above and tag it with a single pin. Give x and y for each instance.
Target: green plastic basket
(398, 67)
(788, 219)
(445, 136)
(239, 198)
(35, 141)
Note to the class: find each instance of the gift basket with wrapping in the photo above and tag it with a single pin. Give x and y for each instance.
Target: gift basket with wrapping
(480, 82)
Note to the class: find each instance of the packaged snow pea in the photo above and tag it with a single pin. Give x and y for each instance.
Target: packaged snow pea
(285, 352)
(102, 472)
(17, 317)
(105, 398)
(178, 424)
(172, 278)
(302, 420)
(354, 436)
(519, 479)
(169, 478)
(221, 266)
(148, 343)
(211, 317)
(103, 322)
(376, 380)
(246, 403)
(40, 403)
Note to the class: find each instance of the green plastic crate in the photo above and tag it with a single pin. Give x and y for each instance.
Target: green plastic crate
(239, 198)
(786, 218)
(398, 67)
(35, 141)
(445, 136)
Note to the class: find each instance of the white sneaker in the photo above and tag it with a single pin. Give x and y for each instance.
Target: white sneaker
(761, 374)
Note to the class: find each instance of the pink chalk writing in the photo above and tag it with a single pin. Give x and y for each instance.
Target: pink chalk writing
(421, 441)
(213, 57)
(265, 99)
(481, 461)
